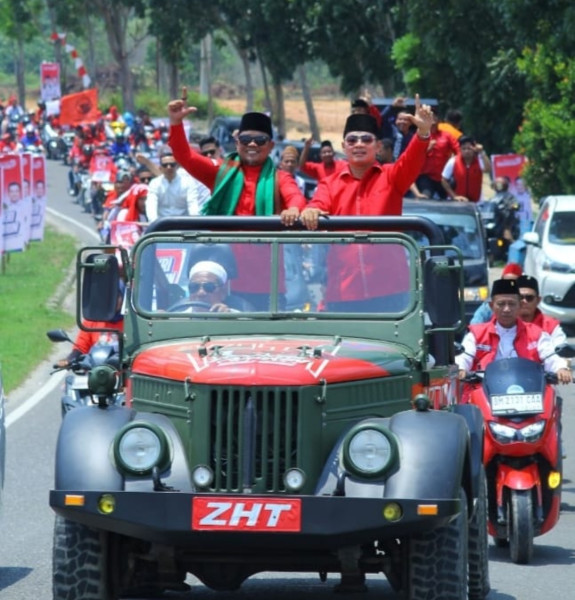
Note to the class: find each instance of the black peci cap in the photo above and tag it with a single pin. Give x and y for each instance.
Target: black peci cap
(361, 122)
(526, 281)
(504, 286)
(256, 121)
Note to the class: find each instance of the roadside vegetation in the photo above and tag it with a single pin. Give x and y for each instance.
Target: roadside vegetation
(30, 282)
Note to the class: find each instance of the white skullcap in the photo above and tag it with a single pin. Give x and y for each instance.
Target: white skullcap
(209, 266)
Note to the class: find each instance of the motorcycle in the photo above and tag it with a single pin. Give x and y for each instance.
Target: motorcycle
(522, 449)
(76, 390)
(499, 218)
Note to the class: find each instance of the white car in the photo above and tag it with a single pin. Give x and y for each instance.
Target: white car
(550, 256)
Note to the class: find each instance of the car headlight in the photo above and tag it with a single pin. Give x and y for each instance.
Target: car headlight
(369, 451)
(555, 266)
(139, 447)
(471, 294)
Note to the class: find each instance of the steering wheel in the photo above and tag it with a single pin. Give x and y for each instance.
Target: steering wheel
(187, 304)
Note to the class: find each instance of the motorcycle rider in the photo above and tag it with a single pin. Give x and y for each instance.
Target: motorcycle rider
(30, 138)
(507, 336)
(86, 339)
(530, 313)
(483, 312)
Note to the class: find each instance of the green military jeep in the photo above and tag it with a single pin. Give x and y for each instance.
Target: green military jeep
(255, 436)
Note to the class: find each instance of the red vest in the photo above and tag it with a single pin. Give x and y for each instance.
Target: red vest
(468, 179)
(544, 322)
(487, 342)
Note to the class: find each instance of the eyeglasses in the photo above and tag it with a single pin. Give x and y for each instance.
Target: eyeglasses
(527, 297)
(364, 138)
(170, 165)
(208, 153)
(245, 139)
(208, 286)
(145, 179)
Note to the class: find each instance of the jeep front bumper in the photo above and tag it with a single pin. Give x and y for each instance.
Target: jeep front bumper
(215, 521)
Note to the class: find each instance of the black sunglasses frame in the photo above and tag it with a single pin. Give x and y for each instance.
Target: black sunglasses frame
(260, 140)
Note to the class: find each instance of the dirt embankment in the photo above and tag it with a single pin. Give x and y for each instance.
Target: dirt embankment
(330, 113)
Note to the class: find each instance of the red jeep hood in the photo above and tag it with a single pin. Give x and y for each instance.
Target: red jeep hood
(271, 361)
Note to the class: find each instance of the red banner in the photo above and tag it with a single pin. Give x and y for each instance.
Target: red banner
(79, 108)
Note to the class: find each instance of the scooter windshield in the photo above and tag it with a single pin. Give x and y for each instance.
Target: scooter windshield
(515, 386)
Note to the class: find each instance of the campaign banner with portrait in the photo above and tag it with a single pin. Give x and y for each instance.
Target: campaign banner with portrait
(26, 209)
(511, 166)
(16, 227)
(38, 198)
(50, 81)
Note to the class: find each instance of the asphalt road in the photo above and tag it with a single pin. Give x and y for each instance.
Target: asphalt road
(26, 521)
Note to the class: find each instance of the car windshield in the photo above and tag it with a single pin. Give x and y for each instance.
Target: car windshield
(458, 230)
(319, 277)
(562, 228)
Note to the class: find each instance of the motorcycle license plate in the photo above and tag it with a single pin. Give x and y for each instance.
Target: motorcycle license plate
(512, 404)
(212, 513)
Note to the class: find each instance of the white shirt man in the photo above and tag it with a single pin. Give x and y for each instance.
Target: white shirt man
(173, 193)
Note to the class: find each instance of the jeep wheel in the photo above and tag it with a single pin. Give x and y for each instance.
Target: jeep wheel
(478, 546)
(437, 561)
(80, 565)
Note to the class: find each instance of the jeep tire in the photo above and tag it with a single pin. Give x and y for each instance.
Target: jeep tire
(436, 567)
(478, 545)
(80, 565)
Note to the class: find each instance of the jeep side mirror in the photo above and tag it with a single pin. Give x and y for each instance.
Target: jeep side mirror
(442, 284)
(100, 287)
(531, 237)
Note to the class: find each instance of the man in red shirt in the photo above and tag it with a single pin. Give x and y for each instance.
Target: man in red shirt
(328, 164)
(442, 146)
(247, 182)
(364, 187)
(367, 278)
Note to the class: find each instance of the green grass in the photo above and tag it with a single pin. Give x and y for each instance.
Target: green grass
(30, 279)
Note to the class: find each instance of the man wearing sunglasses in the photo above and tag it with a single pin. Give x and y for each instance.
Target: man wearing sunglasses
(364, 187)
(208, 287)
(530, 313)
(246, 183)
(210, 147)
(172, 194)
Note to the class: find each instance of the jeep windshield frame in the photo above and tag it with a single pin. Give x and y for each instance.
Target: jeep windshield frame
(406, 327)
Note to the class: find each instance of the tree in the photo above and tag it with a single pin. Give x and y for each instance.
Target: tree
(547, 134)
(18, 23)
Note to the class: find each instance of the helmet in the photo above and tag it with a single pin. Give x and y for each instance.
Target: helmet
(29, 129)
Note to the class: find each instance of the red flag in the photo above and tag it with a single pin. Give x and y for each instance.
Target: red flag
(79, 108)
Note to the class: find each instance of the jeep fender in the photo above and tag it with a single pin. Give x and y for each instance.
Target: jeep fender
(84, 453)
(433, 449)
(433, 453)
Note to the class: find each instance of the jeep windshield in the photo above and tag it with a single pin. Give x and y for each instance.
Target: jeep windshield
(315, 276)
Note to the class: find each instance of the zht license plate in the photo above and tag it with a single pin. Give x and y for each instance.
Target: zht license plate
(511, 404)
(245, 514)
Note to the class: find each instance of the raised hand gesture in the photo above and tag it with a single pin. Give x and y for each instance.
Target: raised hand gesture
(423, 118)
(178, 109)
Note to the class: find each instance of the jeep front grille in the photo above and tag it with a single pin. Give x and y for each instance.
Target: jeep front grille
(253, 437)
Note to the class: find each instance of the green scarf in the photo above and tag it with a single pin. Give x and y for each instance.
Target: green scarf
(230, 183)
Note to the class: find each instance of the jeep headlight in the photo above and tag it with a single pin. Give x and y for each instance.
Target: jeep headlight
(139, 447)
(369, 451)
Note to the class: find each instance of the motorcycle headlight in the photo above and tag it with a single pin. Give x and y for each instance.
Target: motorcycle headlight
(531, 433)
(471, 294)
(502, 433)
(139, 447)
(369, 451)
